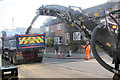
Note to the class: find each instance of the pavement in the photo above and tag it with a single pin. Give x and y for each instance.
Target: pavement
(66, 55)
(89, 66)
(74, 66)
(63, 68)
(82, 65)
(103, 55)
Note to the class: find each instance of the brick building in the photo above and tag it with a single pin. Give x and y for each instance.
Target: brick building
(54, 29)
(60, 32)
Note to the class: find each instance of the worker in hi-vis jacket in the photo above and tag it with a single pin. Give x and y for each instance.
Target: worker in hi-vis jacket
(86, 49)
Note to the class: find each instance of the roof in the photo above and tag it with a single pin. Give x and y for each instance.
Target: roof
(52, 22)
(70, 28)
(102, 7)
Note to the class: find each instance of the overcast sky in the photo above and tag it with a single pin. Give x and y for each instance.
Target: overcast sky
(23, 11)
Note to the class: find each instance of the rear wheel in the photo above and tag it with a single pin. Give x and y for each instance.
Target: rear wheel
(40, 59)
(5, 56)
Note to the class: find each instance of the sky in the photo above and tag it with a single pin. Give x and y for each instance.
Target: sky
(19, 13)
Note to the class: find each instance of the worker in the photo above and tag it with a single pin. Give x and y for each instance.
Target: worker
(86, 49)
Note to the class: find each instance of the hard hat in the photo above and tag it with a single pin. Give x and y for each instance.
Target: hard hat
(87, 41)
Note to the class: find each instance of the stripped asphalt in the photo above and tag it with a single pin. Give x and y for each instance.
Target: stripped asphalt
(63, 68)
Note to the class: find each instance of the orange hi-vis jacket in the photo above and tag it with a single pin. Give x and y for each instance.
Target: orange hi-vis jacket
(87, 48)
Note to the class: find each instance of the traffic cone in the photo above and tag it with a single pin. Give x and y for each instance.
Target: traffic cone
(59, 55)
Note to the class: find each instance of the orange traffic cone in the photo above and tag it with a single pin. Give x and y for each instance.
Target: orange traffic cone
(59, 55)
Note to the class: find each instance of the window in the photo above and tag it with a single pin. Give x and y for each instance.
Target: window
(59, 26)
(76, 36)
(57, 40)
(52, 31)
(46, 29)
(66, 38)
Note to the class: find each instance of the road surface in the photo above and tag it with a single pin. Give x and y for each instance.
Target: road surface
(63, 68)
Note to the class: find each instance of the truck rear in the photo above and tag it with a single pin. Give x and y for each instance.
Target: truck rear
(21, 48)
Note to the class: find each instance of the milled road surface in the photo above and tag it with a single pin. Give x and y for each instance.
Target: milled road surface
(63, 68)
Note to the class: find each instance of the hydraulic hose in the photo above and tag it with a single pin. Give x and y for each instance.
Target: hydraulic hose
(95, 53)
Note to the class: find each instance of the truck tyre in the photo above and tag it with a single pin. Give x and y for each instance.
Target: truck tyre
(40, 59)
(3, 56)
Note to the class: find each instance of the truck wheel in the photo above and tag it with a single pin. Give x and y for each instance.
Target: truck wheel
(3, 56)
(40, 59)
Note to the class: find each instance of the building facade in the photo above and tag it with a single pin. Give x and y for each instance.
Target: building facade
(60, 32)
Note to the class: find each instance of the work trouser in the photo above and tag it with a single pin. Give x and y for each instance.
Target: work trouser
(87, 55)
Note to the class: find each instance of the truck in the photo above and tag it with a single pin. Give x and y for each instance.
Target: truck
(21, 48)
(8, 71)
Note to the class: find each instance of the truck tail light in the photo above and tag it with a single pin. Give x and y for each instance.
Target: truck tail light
(17, 52)
(41, 50)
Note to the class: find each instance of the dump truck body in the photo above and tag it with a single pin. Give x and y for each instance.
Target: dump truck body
(24, 47)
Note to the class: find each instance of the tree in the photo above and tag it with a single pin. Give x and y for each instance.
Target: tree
(50, 42)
